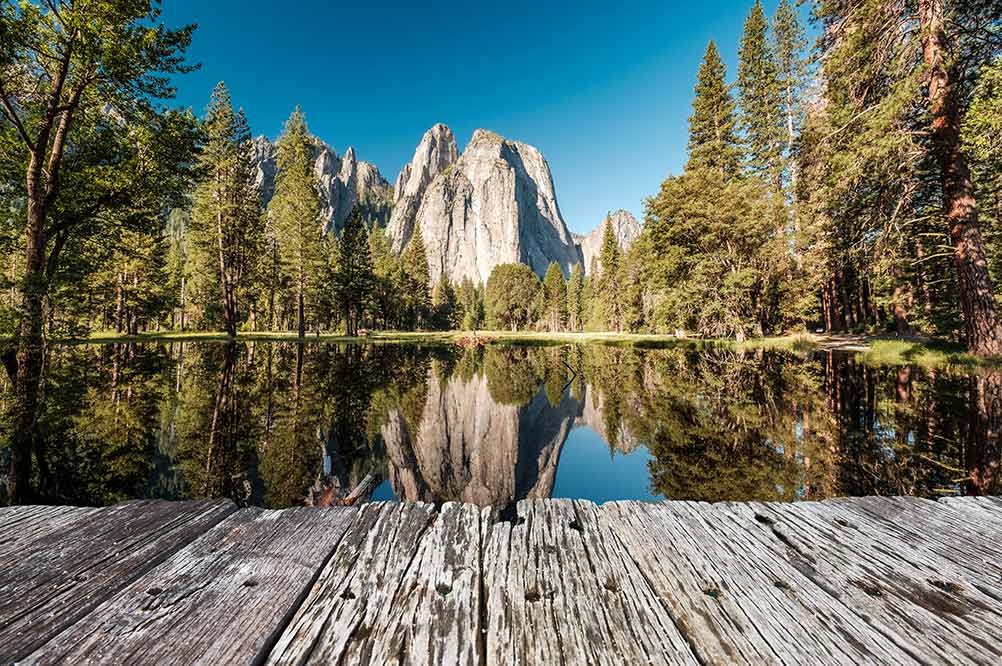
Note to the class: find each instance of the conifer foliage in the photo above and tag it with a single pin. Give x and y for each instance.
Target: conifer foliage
(758, 94)
(295, 217)
(555, 297)
(713, 125)
(354, 280)
(226, 227)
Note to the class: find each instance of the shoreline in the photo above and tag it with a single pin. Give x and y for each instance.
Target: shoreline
(874, 350)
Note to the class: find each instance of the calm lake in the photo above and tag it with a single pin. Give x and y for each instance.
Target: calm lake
(281, 424)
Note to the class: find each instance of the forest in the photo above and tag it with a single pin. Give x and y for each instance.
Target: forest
(849, 184)
(852, 184)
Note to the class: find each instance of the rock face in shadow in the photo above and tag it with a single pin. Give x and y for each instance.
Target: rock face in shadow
(624, 226)
(469, 447)
(343, 182)
(494, 205)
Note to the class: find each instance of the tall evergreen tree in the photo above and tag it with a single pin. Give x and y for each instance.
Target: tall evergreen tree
(226, 220)
(471, 303)
(888, 174)
(295, 214)
(353, 276)
(416, 281)
(510, 297)
(444, 306)
(758, 95)
(386, 271)
(791, 74)
(713, 141)
(609, 292)
(575, 298)
(554, 297)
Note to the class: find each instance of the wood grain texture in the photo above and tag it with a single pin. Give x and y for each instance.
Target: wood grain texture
(65, 574)
(847, 581)
(223, 599)
(934, 528)
(733, 599)
(404, 587)
(21, 525)
(919, 605)
(560, 588)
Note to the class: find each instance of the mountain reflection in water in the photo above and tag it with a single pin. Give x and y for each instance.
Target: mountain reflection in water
(279, 424)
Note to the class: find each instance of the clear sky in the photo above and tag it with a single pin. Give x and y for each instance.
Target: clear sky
(603, 89)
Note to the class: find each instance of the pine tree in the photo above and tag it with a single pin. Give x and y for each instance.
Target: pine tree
(226, 221)
(511, 295)
(575, 299)
(471, 303)
(416, 281)
(295, 214)
(713, 142)
(386, 269)
(791, 74)
(609, 291)
(888, 174)
(443, 303)
(758, 95)
(631, 289)
(353, 274)
(555, 297)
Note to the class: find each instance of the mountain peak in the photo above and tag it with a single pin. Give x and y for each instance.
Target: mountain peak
(492, 205)
(625, 228)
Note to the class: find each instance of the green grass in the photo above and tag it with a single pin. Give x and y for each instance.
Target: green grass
(924, 353)
(872, 351)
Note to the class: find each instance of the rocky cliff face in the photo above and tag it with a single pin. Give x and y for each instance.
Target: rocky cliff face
(624, 226)
(435, 154)
(344, 182)
(495, 204)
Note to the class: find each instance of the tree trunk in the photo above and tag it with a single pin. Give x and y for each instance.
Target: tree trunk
(981, 446)
(184, 287)
(984, 336)
(301, 306)
(30, 351)
(229, 304)
(119, 303)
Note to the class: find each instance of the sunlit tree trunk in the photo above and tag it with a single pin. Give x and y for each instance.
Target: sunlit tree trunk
(984, 336)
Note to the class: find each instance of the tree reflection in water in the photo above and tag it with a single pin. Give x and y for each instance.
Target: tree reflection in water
(278, 424)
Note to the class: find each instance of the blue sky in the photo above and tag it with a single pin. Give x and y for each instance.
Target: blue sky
(602, 89)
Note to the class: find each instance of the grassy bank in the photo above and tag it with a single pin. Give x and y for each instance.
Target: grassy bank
(870, 350)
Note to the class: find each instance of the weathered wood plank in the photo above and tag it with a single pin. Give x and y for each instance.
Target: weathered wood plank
(980, 509)
(733, 599)
(932, 528)
(887, 580)
(947, 519)
(560, 588)
(403, 587)
(915, 603)
(20, 525)
(223, 599)
(65, 574)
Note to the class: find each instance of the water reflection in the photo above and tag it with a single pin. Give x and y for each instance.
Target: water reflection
(277, 424)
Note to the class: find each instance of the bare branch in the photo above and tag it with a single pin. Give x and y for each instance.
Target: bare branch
(11, 113)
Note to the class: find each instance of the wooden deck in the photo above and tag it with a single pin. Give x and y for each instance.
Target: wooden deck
(874, 580)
